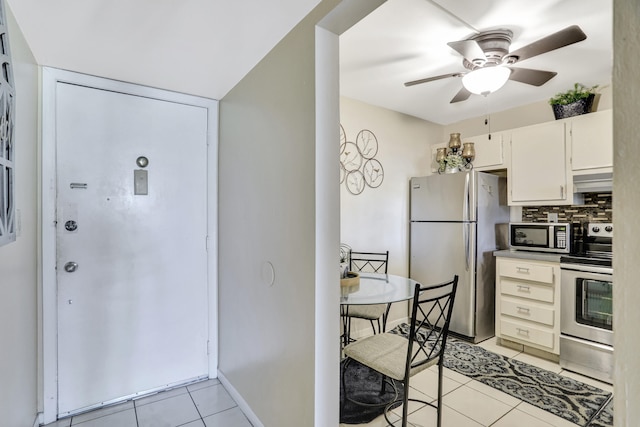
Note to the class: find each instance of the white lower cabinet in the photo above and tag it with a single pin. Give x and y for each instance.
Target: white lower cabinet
(528, 302)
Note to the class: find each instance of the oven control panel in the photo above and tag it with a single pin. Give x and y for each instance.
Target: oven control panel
(600, 229)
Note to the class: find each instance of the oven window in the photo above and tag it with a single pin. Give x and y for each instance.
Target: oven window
(594, 303)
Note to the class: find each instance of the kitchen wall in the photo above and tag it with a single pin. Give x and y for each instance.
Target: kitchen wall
(378, 218)
(626, 245)
(530, 114)
(268, 222)
(18, 260)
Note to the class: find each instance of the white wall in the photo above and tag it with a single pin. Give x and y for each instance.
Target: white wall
(18, 267)
(530, 114)
(267, 217)
(626, 205)
(378, 218)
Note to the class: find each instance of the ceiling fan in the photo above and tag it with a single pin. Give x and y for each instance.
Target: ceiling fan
(487, 57)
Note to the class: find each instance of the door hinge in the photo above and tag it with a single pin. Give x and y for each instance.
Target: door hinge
(208, 347)
(206, 243)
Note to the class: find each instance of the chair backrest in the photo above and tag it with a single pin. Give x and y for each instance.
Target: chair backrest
(429, 325)
(369, 262)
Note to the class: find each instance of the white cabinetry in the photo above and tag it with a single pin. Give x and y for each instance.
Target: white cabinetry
(490, 152)
(591, 137)
(528, 303)
(539, 172)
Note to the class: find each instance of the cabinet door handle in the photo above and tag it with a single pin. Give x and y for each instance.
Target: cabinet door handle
(523, 331)
(524, 310)
(562, 191)
(522, 270)
(523, 288)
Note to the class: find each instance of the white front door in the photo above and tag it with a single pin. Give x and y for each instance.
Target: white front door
(131, 267)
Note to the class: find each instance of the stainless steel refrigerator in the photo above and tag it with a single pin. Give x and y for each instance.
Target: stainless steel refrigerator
(453, 231)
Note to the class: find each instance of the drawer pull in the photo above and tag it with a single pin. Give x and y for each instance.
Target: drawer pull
(523, 331)
(524, 288)
(522, 270)
(524, 310)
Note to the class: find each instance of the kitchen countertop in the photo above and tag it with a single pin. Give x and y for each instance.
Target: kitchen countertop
(539, 256)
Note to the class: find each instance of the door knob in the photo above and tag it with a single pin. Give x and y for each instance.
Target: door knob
(70, 267)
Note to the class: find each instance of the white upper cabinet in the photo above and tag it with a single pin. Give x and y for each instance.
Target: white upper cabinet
(591, 137)
(539, 172)
(489, 151)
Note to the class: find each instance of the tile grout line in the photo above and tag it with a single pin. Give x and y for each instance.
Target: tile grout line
(196, 406)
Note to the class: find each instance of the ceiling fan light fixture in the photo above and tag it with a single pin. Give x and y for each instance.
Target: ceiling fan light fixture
(483, 81)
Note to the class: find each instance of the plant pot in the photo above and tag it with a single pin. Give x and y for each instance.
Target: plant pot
(577, 108)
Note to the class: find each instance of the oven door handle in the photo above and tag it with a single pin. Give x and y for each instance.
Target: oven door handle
(585, 268)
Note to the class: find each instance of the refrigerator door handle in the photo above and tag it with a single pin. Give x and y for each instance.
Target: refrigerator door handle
(467, 254)
(467, 205)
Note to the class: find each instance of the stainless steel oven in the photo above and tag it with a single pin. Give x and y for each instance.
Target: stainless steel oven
(586, 309)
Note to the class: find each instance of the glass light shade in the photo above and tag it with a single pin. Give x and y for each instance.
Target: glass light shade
(486, 80)
(468, 151)
(454, 141)
(441, 153)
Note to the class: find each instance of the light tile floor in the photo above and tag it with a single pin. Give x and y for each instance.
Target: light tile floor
(202, 404)
(467, 403)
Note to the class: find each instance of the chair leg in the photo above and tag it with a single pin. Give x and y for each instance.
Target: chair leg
(384, 318)
(439, 408)
(372, 327)
(405, 404)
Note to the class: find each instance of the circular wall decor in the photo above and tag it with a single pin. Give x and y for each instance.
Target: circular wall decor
(367, 144)
(350, 157)
(373, 173)
(358, 167)
(355, 182)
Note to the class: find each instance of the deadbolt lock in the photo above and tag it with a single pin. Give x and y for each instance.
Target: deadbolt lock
(71, 225)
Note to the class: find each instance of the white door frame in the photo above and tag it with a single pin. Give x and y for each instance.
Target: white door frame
(50, 77)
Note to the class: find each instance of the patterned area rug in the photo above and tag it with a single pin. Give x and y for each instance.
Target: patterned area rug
(604, 418)
(363, 384)
(572, 400)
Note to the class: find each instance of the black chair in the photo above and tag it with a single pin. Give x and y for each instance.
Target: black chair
(399, 357)
(368, 262)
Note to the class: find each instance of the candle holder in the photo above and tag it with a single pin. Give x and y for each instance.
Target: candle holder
(457, 156)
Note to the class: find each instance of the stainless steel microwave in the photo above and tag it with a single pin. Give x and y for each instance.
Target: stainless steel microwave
(540, 236)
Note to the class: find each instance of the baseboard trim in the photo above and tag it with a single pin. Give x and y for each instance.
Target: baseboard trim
(242, 404)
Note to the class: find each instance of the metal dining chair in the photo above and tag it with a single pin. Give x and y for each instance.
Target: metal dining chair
(369, 262)
(401, 357)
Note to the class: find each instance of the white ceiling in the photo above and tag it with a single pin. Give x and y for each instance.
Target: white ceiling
(405, 40)
(199, 47)
(205, 47)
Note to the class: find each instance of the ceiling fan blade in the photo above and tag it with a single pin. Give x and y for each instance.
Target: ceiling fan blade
(469, 49)
(462, 95)
(562, 38)
(430, 79)
(531, 77)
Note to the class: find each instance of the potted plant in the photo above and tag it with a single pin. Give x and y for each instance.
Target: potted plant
(573, 102)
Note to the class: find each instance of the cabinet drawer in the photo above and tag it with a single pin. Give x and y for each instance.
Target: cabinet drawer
(528, 290)
(522, 310)
(527, 333)
(527, 271)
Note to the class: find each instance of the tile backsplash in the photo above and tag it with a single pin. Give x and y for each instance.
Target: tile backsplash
(596, 207)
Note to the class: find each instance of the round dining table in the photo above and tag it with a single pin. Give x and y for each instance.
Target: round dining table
(374, 288)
